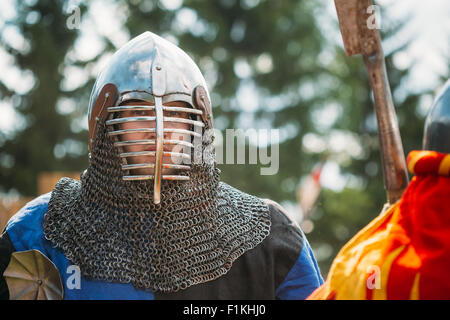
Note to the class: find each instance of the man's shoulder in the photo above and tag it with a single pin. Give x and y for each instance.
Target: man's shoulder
(31, 215)
(282, 223)
(278, 214)
(281, 218)
(301, 272)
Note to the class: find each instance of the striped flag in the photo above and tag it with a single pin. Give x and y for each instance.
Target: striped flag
(404, 253)
(309, 190)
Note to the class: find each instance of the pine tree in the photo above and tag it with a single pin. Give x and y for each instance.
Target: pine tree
(47, 38)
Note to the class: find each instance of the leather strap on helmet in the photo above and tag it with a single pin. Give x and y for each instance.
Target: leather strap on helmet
(107, 98)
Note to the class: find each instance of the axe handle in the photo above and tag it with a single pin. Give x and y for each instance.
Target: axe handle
(395, 174)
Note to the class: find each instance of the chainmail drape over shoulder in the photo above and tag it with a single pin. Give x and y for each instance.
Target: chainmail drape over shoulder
(114, 232)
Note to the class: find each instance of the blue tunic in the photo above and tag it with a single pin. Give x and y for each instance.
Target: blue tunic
(283, 263)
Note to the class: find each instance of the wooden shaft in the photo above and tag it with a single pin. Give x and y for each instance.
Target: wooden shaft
(395, 174)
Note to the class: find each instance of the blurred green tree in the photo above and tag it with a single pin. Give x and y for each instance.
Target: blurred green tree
(42, 27)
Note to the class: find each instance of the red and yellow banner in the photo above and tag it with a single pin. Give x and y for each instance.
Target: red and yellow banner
(404, 253)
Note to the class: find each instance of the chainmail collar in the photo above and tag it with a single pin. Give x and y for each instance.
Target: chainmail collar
(114, 232)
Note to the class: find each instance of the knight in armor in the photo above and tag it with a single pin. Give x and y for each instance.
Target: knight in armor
(150, 218)
(404, 253)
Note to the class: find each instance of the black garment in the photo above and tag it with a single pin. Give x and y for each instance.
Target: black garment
(6, 249)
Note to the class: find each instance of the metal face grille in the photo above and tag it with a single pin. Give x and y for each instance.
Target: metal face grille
(152, 156)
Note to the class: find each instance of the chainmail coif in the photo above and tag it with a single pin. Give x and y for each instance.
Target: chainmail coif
(114, 232)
